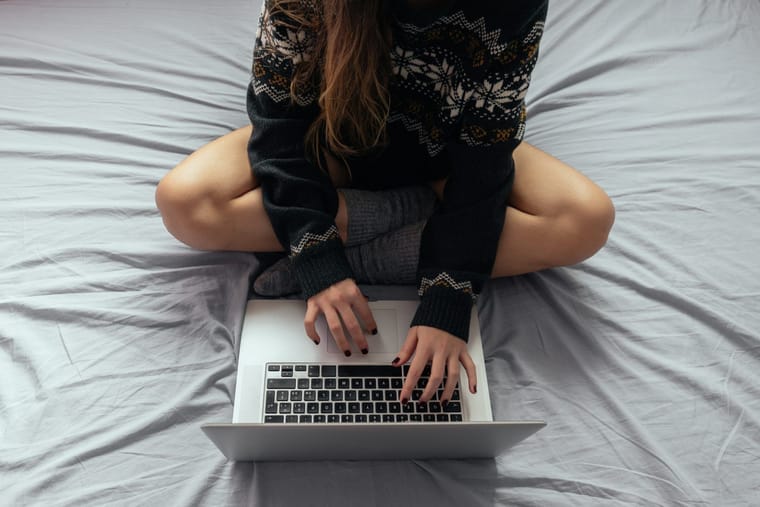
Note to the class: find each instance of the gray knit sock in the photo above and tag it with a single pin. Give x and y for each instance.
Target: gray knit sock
(372, 214)
(389, 259)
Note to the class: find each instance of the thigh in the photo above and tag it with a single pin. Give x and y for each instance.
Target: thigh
(547, 187)
(220, 170)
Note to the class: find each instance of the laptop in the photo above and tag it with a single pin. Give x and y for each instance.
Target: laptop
(295, 400)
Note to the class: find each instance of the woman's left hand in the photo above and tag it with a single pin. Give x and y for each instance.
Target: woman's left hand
(445, 352)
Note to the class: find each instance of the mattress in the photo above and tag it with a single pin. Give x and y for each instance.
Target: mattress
(117, 342)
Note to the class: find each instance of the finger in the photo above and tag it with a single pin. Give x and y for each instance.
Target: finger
(452, 377)
(336, 328)
(353, 327)
(407, 349)
(415, 370)
(309, 322)
(361, 307)
(469, 367)
(436, 376)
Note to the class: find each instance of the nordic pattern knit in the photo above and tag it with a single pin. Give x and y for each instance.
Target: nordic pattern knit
(459, 79)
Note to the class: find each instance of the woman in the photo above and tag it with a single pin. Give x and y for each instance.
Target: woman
(385, 100)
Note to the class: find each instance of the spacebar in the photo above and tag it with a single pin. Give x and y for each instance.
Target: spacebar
(368, 370)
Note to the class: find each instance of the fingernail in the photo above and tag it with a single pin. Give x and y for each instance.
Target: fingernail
(347, 352)
(475, 389)
(444, 403)
(365, 351)
(316, 342)
(374, 331)
(395, 361)
(404, 401)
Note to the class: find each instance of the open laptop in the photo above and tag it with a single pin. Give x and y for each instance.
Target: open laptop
(298, 401)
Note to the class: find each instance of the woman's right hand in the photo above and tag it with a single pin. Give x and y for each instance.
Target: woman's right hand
(341, 303)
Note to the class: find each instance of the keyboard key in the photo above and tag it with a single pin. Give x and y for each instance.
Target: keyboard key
(428, 417)
(291, 418)
(328, 370)
(304, 419)
(271, 408)
(323, 395)
(390, 395)
(319, 418)
(407, 408)
(300, 367)
(281, 383)
(364, 395)
(389, 418)
(330, 383)
(274, 419)
(312, 408)
(397, 383)
(402, 418)
(340, 407)
(303, 383)
(270, 396)
(316, 383)
(336, 395)
(377, 395)
(309, 395)
(299, 408)
(383, 383)
(415, 417)
(349, 395)
(346, 418)
(381, 407)
(367, 370)
(442, 417)
(360, 418)
(284, 408)
(273, 367)
(453, 406)
(394, 407)
(313, 370)
(287, 367)
(455, 417)
(295, 395)
(434, 406)
(344, 383)
(368, 407)
(370, 383)
(333, 418)
(283, 395)
(326, 408)
(286, 373)
(373, 418)
(357, 383)
(354, 408)
(421, 407)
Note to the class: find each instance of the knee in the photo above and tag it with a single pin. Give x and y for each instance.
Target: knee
(588, 223)
(186, 209)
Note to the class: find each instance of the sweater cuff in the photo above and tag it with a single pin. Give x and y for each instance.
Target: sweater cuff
(447, 309)
(320, 266)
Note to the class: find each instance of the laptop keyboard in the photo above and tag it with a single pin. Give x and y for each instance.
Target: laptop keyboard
(324, 393)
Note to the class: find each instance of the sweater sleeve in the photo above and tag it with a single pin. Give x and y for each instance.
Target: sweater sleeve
(299, 197)
(460, 240)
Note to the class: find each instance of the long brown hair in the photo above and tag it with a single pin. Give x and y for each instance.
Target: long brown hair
(351, 64)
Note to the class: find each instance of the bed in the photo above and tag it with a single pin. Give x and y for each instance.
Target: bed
(117, 342)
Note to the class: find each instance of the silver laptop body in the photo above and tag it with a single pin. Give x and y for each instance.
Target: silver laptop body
(276, 357)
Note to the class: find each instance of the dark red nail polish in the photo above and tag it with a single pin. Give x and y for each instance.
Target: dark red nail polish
(316, 342)
(395, 361)
(444, 403)
(365, 351)
(475, 389)
(374, 331)
(347, 352)
(404, 401)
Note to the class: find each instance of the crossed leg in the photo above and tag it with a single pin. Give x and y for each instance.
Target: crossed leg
(556, 215)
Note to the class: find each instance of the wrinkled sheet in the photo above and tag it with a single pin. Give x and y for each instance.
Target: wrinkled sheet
(117, 342)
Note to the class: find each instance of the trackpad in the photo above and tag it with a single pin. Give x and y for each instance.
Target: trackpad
(387, 339)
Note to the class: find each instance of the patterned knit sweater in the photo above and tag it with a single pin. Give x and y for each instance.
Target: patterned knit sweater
(459, 79)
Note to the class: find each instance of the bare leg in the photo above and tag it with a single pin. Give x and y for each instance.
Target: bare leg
(556, 216)
(211, 200)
